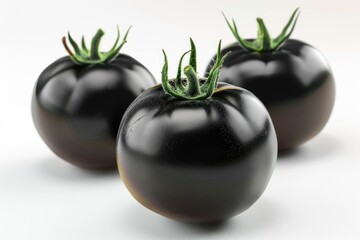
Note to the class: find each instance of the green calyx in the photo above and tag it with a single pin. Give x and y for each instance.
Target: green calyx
(90, 56)
(264, 43)
(191, 88)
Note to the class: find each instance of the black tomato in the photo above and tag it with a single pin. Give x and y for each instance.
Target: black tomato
(196, 159)
(293, 80)
(77, 108)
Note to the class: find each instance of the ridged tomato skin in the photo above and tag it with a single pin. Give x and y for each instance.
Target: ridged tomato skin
(197, 160)
(295, 83)
(77, 109)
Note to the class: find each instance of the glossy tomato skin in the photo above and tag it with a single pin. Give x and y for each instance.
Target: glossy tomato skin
(295, 84)
(197, 161)
(77, 109)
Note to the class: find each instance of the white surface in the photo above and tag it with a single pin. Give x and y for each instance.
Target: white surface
(314, 192)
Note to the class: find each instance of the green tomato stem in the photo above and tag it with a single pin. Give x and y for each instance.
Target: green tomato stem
(85, 56)
(264, 43)
(263, 36)
(95, 44)
(193, 90)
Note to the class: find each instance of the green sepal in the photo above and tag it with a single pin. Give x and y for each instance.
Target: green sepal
(114, 51)
(178, 82)
(164, 79)
(85, 56)
(83, 45)
(192, 60)
(193, 89)
(288, 29)
(264, 43)
(214, 73)
(74, 45)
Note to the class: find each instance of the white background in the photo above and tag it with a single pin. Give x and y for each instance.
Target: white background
(314, 192)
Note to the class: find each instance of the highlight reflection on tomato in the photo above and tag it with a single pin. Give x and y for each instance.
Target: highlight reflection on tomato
(195, 150)
(290, 77)
(79, 100)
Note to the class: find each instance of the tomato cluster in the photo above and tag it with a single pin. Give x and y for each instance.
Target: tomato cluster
(192, 149)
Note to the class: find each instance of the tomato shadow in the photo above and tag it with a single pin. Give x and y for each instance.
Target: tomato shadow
(288, 153)
(55, 168)
(207, 227)
(261, 215)
(154, 226)
(320, 147)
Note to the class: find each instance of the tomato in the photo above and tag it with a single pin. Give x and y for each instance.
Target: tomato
(195, 150)
(79, 100)
(290, 77)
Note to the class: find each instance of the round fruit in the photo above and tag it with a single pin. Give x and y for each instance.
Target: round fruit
(79, 100)
(194, 150)
(290, 77)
